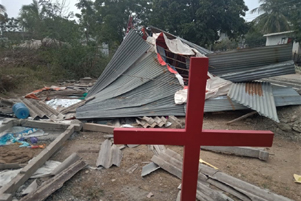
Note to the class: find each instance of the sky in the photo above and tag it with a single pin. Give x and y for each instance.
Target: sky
(13, 7)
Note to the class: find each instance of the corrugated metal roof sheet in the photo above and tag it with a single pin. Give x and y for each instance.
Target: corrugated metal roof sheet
(257, 96)
(248, 64)
(283, 96)
(39, 109)
(283, 68)
(130, 50)
(146, 89)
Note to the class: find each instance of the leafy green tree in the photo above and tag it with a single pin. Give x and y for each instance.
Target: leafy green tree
(200, 20)
(272, 16)
(106, 20)
(44, 19)
(3, 14)
(293, 13)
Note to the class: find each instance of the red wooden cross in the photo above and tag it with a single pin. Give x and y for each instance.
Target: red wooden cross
(193, 136)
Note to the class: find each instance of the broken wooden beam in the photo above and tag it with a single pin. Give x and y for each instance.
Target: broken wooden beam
(259, 153)
(53, 184)
(98, 128)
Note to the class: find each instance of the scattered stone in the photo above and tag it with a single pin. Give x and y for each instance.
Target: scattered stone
(284, 127)
(150, 195)
(294, 118)
(297, 127)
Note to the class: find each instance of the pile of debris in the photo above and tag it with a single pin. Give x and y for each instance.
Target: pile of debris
(150, 78)
(52, 103)
(15, 172)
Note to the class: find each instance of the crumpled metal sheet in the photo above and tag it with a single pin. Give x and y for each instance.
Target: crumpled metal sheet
(257, 96)
(130, 50)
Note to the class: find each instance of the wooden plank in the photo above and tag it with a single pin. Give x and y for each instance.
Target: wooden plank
(167, 166)
(255, 190)
(242, 117)
(171, 160)
(229, 189)
(259, 153)
(6, 197)
(174, 154)
(207, 170)
(206, 193)
(98, 128)
(37, 162)
(159, 148)
(55, 183)
(44, 125)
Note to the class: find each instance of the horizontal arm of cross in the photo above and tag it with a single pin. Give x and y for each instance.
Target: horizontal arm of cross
(181, 137)
(236, 138)
(149, 136)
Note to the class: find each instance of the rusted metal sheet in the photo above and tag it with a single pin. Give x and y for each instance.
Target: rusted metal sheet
(257, 96)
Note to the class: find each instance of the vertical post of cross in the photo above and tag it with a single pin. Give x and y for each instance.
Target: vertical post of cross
(194, 123)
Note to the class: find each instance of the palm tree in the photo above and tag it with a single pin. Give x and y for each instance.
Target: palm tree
(31, 17)
(272, 16)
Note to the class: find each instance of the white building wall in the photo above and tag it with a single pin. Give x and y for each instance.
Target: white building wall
(276, 40)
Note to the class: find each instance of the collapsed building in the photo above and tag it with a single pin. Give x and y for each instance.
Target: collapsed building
(150, 78)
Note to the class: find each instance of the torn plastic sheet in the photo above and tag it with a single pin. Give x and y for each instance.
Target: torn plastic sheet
(52, 88)
(177, 46)
(7, 175)
(55, 103)
(181, 96)
(15, 133)
(215, 87)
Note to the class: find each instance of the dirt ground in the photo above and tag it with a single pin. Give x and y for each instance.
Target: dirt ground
(116, 184)
(15, 154)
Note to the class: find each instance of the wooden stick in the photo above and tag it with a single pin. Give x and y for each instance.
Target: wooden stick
(242, 117)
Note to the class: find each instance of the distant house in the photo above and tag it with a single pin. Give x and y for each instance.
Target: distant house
(284, 38)
(279, 38)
